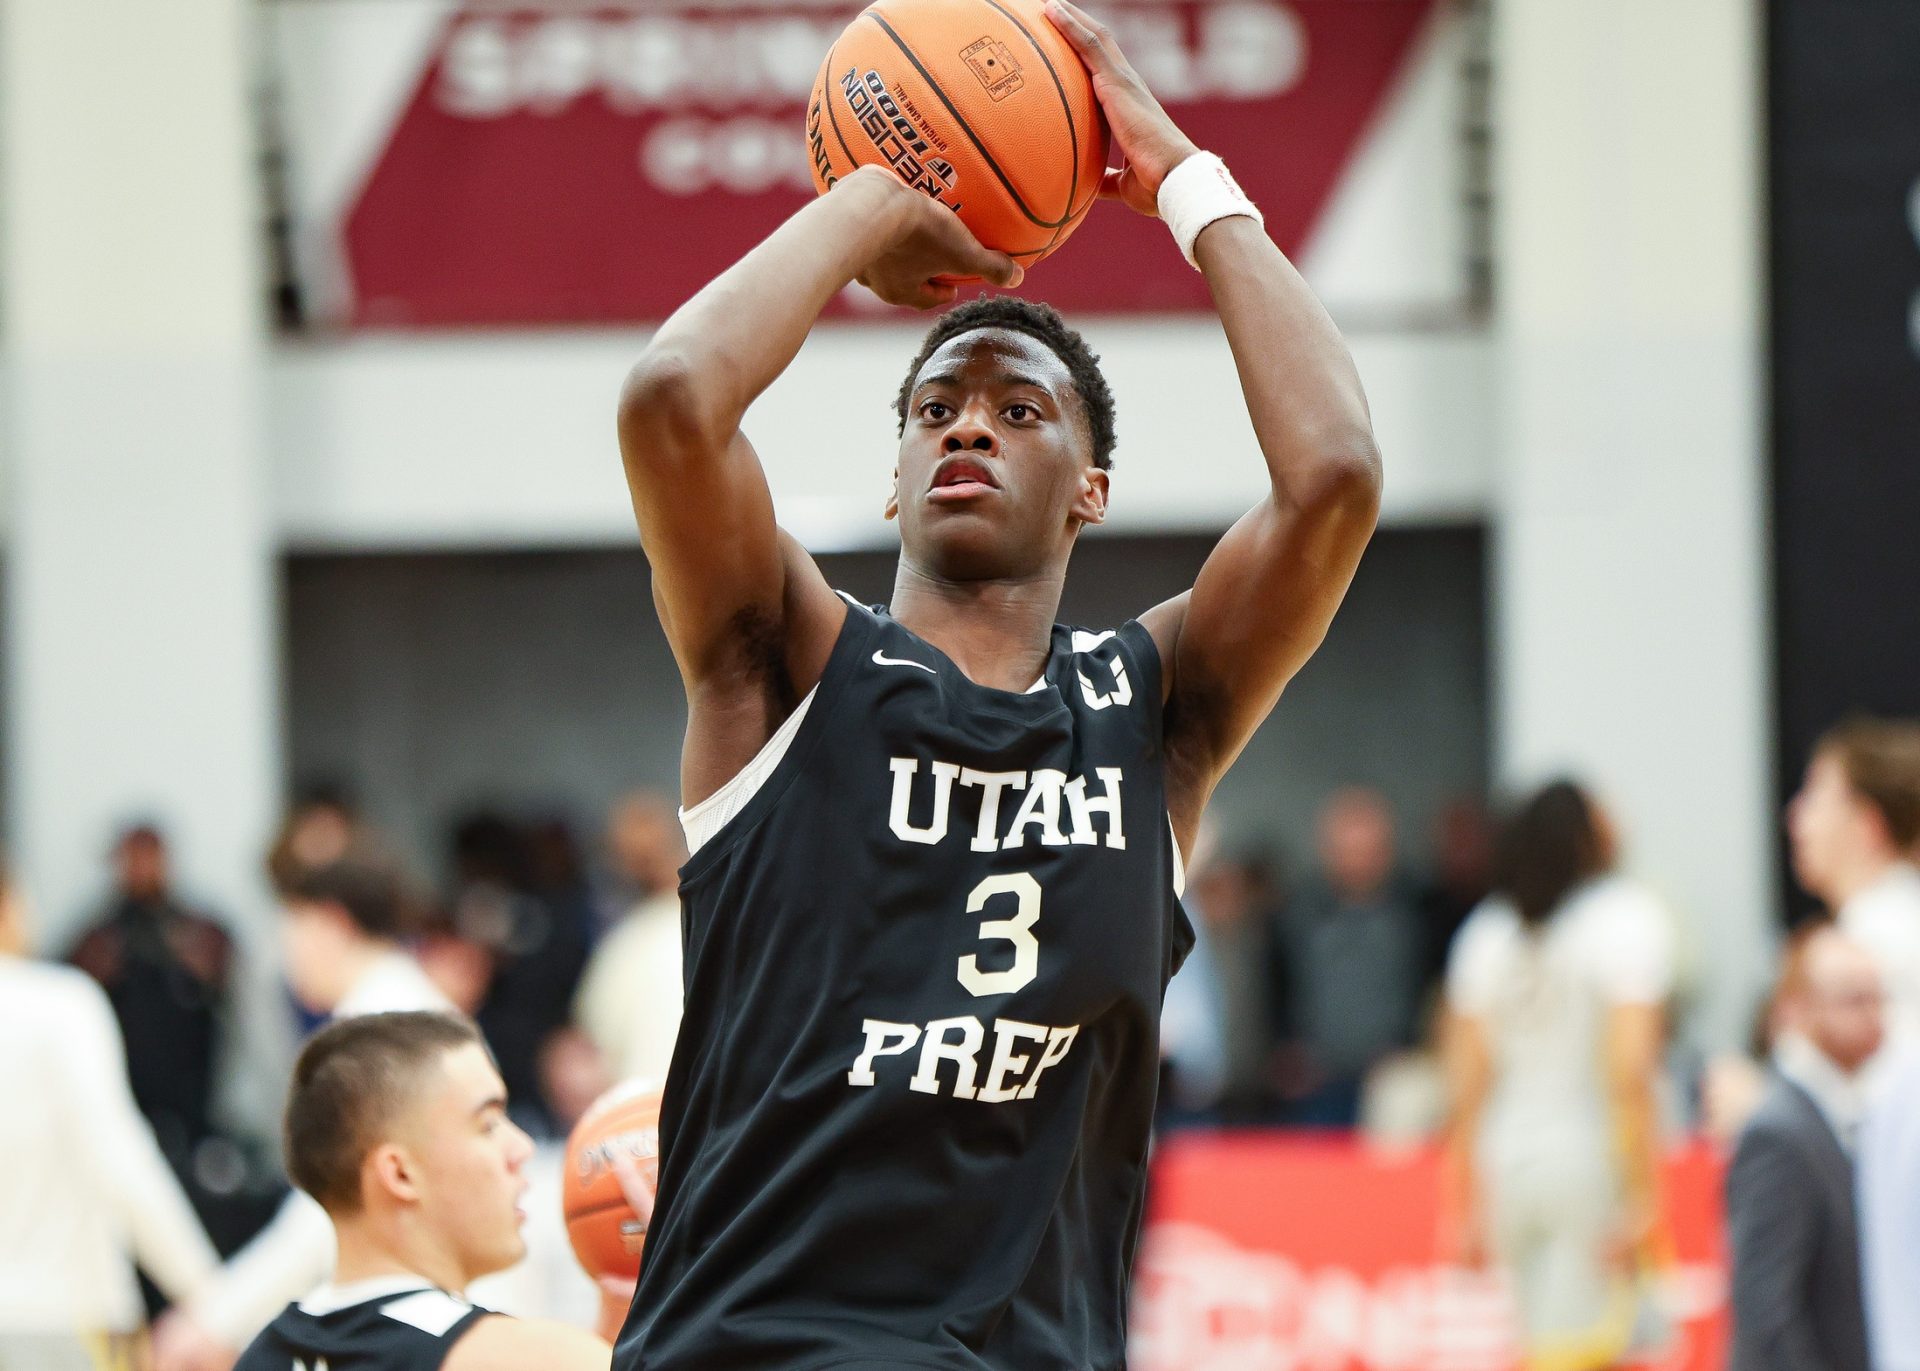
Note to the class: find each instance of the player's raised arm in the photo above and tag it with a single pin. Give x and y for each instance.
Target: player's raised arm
(1263, 600)
(738, 600)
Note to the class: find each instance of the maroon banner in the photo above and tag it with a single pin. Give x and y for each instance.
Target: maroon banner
(598, 165)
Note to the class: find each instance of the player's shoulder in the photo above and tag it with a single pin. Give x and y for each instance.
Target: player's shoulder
(499, 1343)
(387, 1323)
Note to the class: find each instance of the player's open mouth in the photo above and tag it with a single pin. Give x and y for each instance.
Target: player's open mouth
(960, 477)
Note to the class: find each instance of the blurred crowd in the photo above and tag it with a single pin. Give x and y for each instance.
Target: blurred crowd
(1304, 988)
(1502, 985)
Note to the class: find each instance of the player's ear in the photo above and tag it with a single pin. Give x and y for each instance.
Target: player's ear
(1090, 507)
(390, 1170)
(892, 510)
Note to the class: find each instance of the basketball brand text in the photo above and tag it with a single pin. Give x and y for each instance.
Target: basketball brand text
(894, 137)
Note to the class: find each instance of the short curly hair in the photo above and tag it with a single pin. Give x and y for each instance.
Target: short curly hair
(1042, 323)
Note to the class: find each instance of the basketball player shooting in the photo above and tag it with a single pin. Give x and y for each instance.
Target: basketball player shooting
(932, 905)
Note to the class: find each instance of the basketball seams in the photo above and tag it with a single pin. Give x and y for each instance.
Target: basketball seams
(1066, 107)
(826, 99)
(933, 85)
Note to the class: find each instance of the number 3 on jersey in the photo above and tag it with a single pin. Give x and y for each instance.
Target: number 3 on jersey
(1017, 930)
(1021, 1052)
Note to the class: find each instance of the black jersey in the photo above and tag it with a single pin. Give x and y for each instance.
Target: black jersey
(907, 1119)
(399, 1325)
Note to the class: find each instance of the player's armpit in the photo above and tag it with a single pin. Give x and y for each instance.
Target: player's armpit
(500, 1343)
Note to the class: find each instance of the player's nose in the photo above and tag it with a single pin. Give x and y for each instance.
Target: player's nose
(970, 433)
(519, 1147)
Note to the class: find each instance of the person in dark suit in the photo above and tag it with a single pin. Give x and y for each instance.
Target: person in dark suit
(1793, 1227)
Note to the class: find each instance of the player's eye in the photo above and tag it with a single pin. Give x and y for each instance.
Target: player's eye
(934, 411)
(1020, 412)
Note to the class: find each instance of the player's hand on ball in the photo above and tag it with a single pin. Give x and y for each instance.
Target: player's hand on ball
(639, 1195)
(1149, 142)
(931, 243)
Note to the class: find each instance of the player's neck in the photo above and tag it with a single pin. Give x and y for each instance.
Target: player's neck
(370, 1249)
(998, 632)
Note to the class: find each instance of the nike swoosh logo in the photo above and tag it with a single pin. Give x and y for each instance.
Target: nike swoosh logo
(881, 659)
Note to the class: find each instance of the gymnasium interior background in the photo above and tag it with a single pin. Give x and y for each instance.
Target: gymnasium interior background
(314, 313)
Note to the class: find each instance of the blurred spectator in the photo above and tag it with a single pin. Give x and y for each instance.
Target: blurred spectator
(341, 926)
(1192, 1017)
(645, 849)
(166, 968)
(1733, 1084)
(557, 877)
(1794, 1237)
(1232, 902)
(320, 827)
(520, 892)
(1554, 1035)
(1462, 873)
(1353, 944)
(630, 998)
(1889, 1201)
(82, 1183)
(341, 929)
(460, 968)
(1853, 826)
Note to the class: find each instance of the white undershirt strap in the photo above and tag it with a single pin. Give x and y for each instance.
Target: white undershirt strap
(707, 818)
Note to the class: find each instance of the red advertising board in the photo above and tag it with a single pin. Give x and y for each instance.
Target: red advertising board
(573, 163)
(1268, 1252)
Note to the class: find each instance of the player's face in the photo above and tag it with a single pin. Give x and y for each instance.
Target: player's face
(995, 473)
(469, 1158)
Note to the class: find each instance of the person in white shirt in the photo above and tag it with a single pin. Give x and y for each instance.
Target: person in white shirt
(629, 999)
(1888, 1192)
(1853, 825)
(1555, 992)
(82, 1183)
(340, 930)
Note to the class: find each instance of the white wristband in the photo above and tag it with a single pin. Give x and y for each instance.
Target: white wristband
(1198, 192)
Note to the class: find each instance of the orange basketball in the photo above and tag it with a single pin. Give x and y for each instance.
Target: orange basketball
(981, 104)
(600, 1223)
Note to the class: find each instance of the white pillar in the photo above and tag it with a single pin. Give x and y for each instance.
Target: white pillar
(1629, 576)
(139, 608)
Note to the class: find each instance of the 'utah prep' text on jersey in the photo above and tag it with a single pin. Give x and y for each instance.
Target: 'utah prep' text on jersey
(907, 1119)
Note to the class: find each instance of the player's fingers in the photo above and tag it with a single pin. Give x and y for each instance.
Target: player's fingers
(1000, 269)
(1113, 183)
(634, 1186)
(1080, 29)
